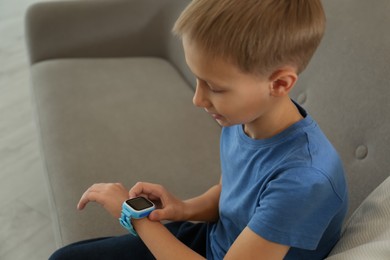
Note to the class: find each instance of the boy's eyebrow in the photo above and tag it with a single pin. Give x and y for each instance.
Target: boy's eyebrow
(208, 81)
(196, 76)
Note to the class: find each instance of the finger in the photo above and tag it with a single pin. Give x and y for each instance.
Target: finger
(148, 189)
(162, 214)
(88, 196)
(83, 200)
(157, 215)
(138, 189)
(153, 197)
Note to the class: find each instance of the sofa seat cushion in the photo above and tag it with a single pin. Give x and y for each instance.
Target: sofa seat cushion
(118, 120)
(367, 233)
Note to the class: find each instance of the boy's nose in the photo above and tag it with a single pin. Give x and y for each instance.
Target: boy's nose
(200, 97)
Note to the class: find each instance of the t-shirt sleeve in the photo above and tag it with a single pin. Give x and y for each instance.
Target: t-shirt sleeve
(296, 208)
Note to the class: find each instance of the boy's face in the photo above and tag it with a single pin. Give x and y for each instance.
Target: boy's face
(226, 93)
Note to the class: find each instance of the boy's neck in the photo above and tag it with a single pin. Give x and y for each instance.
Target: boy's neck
(282, 116)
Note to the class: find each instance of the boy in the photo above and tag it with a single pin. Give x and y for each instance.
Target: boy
(282, 193)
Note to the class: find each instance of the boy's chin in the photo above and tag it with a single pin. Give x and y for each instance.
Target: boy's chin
(224, 123)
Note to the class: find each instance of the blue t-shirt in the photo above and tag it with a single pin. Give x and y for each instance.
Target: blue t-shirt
(289, 189)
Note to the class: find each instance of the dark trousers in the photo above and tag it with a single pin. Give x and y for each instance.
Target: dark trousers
(130, 247)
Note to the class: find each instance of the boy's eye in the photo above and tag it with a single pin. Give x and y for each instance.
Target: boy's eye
(216, 90)
(212, 88)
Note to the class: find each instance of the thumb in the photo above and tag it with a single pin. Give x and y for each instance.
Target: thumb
(157, 215)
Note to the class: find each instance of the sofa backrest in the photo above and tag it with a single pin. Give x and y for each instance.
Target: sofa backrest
(346, 89)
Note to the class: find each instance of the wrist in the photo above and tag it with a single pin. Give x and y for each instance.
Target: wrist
(143, 225)
(186, 211)
(138, 223)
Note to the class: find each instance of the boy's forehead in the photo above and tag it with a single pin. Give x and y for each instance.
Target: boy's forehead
(209, 67)
(190, 45)
(206, 66)
(194, 53)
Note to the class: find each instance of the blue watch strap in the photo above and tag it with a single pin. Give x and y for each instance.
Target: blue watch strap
(125, 221)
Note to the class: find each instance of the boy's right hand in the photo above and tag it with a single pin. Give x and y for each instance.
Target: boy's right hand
(168, 207)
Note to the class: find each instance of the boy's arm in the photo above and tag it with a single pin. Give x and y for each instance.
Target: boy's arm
(201, 208)
(164, 245)
(249, 245)
(204, 207)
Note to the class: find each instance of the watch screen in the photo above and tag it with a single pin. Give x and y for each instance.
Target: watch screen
(139, 203)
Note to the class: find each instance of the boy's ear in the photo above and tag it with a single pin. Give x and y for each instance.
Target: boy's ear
(282, 81)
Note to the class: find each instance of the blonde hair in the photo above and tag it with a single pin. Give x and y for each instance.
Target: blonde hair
(258, 36)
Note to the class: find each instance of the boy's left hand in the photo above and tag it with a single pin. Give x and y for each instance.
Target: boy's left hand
(110, 195)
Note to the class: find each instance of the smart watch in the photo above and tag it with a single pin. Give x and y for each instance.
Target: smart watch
(137, 208)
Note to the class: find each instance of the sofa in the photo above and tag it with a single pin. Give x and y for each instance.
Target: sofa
(113, 102)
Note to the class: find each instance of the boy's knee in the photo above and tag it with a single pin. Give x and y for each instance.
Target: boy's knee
(66, 253)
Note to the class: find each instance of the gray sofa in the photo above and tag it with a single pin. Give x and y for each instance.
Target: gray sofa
(113, 104)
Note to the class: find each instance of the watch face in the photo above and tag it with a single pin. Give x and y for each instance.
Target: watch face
(139, 203)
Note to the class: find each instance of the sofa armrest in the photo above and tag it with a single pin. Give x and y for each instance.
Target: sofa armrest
(73, 29)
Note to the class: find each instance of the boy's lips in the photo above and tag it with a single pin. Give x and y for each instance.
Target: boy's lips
(214, 115)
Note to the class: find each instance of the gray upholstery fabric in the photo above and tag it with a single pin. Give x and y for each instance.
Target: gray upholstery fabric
(101, 119)
(119, 120)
